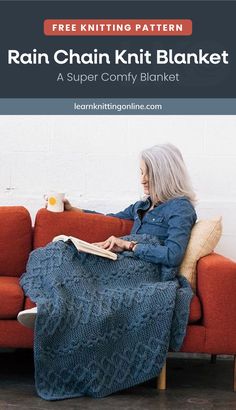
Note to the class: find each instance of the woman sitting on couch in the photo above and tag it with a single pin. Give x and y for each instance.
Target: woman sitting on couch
(103, 325)
(168, 213)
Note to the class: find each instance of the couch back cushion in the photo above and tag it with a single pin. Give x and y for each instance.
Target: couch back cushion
(86, 226)
(15, 240)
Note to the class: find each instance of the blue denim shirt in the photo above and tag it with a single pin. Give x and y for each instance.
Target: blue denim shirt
(170, 221)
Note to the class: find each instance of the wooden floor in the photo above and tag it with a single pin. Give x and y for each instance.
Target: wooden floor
(191, 384)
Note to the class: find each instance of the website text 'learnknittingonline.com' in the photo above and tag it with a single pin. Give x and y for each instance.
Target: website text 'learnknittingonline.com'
(116, 107)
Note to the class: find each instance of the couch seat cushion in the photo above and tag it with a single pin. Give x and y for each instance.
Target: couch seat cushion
(195, 310)
(11, 297)
(29, 304)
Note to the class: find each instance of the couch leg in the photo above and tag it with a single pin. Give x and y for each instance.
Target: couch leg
(213, 358)
(161, 380)
(234, 379)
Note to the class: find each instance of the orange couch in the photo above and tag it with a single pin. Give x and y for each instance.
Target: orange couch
(212, 320)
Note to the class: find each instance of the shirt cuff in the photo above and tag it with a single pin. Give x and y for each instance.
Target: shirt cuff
(139, 250)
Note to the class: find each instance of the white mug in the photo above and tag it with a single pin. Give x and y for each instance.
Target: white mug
(55, 201)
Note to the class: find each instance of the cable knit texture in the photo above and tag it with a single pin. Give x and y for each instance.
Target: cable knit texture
(102, 325)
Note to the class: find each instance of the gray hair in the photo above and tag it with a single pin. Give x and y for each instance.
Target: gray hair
(167, 173)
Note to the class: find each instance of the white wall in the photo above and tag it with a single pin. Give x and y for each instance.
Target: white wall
(94, 159)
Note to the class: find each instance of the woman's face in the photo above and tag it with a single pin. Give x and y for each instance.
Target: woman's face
(144, 177)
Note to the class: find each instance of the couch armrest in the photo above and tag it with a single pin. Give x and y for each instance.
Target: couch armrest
(216, 288)
(15, 239)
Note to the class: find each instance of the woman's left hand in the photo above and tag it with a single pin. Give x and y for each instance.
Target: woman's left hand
(114, 244)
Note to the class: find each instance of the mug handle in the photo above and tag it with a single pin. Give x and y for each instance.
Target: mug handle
(45, 197)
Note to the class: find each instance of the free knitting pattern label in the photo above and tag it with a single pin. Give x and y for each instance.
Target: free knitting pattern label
(113, 27)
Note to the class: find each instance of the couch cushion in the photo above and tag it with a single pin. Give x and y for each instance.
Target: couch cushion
(85, 226)
(28, 303)
(15, 240)
(195, 310)
(11, 297)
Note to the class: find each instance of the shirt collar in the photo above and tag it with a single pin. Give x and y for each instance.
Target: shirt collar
(145, 203)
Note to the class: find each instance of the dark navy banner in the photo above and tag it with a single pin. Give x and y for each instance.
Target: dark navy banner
(176, 49)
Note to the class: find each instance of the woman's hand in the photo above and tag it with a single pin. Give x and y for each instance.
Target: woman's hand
(114, 244)
(67, 205)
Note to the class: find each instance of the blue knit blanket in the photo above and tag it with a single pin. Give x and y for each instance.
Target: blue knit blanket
(102, 325)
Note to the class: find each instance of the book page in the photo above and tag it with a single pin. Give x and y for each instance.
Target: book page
(87, 247)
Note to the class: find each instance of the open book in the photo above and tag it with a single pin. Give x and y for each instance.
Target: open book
(86, 247)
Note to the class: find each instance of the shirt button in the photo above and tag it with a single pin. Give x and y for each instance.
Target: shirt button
(153, 219)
